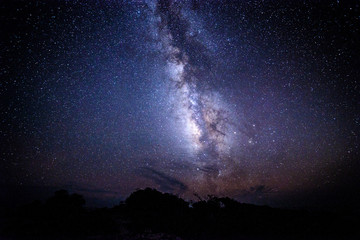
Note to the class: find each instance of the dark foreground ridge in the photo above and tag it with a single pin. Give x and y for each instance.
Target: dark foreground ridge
(150, 214)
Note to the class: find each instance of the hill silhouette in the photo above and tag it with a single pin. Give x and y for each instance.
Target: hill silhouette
(150, 214)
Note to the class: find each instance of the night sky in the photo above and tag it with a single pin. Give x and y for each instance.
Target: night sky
(255, 100)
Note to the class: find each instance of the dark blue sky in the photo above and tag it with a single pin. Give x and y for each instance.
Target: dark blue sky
(257, 100)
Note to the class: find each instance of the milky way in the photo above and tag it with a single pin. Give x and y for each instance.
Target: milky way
(204, 121)
(256, 100)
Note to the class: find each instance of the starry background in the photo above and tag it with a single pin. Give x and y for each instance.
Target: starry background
(255, 100)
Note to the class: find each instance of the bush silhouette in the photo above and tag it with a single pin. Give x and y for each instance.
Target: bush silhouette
(62, 214)
(149, 210)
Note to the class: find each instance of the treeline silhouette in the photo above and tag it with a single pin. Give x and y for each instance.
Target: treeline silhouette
(148, 212)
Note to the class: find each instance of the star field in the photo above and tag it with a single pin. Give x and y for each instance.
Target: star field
(256, 100)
